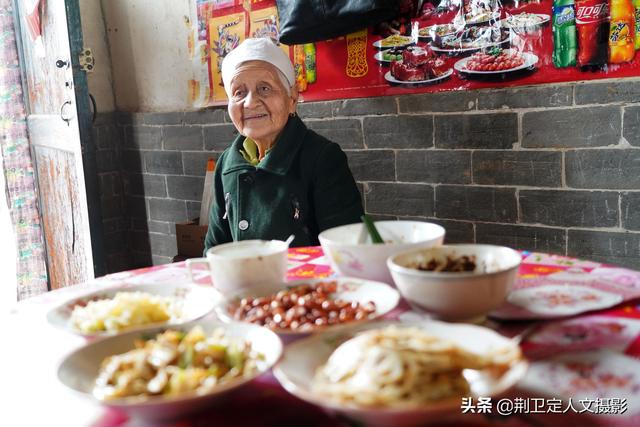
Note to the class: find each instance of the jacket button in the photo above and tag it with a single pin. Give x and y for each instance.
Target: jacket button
(243, 224)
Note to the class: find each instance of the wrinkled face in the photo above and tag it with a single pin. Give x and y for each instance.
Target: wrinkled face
(259, 105)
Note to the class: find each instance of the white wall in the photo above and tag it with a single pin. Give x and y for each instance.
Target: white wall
(150, 61)
(93, 32)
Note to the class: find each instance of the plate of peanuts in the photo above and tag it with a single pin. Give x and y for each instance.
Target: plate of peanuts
(307, 306)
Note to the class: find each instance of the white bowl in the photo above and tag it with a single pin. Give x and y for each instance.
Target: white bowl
(458, 296)
(302, 359)
(382, 295)
(79, 370)
(351, 253)
(195, 301)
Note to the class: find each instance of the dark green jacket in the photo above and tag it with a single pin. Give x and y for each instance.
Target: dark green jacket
(302, 187)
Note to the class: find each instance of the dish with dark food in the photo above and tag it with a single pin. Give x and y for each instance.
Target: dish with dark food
(418, 64)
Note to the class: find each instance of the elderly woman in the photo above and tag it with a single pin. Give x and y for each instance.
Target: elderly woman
(277, 178)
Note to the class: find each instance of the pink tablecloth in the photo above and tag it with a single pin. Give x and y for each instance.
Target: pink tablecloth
(585, 357)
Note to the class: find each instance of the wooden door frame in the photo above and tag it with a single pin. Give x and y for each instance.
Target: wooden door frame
(85, 123)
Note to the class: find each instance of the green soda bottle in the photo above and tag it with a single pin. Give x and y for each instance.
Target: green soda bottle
(565, 44)
(310, 62)
(636, 8)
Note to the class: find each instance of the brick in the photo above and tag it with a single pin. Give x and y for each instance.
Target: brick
(125, 118)
(111, 207)
(365, 106)
(182, 138)
(607, 92)
(114, 242)
(455, 231)
(398, 131)
(434, 166)
(110, 184)
(622, 249)
(540, 239)
(608, 169)
(534, 168)
(143, 137)
(571, 127)
(631, 129)
(111, 225)
(165, 162)
(569, 208)
(372, 165)
(145, 185)
(140, 259)
(105, 118)
(139, 241)
(525, 97)
(171, 118)
(185, 187)
(438, 102)
(346, 132)
(193, 210)
(195, 163)
(218, 138)
(315, 110)
(132, 161)
(399, 199)
(476, 203)
(139, 224)
(136, 207)
(118, 262)
(205, 117)
(497, 131)
(107, 161)
(631, 211)
(163, 244)
(167, 210)
(108, 137)
(161, 227)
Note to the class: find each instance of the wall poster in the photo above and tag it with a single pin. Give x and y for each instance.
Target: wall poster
(433, 45)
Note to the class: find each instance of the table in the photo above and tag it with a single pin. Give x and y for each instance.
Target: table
(592, 355)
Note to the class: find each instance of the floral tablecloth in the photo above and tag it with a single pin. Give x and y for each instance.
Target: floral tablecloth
(585, 366)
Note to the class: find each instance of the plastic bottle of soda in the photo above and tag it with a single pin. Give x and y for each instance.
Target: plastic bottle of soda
(564, 33)
(622, 31)
(636, 6)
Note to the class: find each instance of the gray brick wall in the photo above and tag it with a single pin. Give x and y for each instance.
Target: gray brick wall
(553, 168)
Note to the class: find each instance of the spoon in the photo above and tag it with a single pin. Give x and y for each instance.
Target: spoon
(290, 239)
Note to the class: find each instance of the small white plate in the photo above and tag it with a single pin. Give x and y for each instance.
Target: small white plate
(298, 366)
(512, 21)
(363, 291)
(403, 41)
(559, 300)
(530, 60)
(454, 51)
(388, 77)
(379, 57)
(79, 370)
(195, 301)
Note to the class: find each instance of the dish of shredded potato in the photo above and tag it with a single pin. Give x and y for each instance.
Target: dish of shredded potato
(173, 363)
(125, 310)
(396, 366)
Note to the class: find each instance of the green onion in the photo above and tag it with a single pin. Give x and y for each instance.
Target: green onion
(373, 231)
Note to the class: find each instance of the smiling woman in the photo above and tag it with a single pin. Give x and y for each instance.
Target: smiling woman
(277, 178)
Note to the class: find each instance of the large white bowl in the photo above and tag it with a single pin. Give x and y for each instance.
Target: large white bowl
(457, 296)
(351, 253)
(302, 359)
(79, 370)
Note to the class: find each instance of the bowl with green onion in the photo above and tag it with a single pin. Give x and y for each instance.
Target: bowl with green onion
(361, 249)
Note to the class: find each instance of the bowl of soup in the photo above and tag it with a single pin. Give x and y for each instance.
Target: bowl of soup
(351, 252)
(461, 282)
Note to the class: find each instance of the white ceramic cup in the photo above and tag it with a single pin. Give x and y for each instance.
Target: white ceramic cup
(239, 266)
